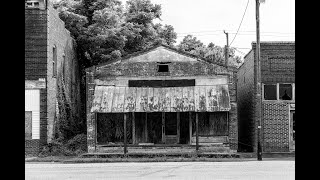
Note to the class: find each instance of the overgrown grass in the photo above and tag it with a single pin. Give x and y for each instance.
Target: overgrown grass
(73, 147)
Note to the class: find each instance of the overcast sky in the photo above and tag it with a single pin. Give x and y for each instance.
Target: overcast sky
(206, 19)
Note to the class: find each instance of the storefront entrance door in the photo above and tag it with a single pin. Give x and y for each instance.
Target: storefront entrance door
(170, 128)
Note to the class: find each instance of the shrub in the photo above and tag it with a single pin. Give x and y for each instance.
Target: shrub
(74, 146)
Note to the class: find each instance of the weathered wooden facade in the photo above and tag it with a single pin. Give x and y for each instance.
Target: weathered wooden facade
(49, 55)
(161, 97)
(278, 98)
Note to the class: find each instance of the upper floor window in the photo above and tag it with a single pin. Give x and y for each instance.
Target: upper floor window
(270, 92)
(279, 91)
(54, 61)
(285, 91)
(163, 66)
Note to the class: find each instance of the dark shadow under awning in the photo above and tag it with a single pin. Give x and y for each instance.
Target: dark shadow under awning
(111, 99)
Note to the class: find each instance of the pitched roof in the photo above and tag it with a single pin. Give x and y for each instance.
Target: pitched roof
(127, 57)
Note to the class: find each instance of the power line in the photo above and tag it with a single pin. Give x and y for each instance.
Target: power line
(201, 32)
(240, 22)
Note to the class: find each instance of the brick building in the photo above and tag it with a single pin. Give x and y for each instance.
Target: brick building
(156, 97)
(278, 98)
(50, 60)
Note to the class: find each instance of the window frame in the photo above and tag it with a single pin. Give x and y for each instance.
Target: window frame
(278, 92)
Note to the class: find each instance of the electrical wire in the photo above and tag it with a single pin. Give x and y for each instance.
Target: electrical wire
(240, 22)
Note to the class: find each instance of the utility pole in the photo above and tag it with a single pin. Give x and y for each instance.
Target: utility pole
(257, 80)
(226, 49)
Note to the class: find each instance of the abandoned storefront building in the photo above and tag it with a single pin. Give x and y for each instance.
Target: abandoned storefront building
(161, 97)
(49, 55)
(278, 98)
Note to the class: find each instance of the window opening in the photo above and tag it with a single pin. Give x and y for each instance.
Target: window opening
(270, 92)
(285, 91)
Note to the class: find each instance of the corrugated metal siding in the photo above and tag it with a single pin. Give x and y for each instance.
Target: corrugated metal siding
(174, 99)
(32, 103)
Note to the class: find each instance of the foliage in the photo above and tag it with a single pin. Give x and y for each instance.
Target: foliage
(211, 52)
(58, 147)
(105, 30)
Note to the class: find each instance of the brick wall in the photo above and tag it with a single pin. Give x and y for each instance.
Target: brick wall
(277, 62)
(277, 66)
(245, 99)
(91, 121)
(60, 38)
(36, 67)
(275, 127)
(35, 44)
(43, 30)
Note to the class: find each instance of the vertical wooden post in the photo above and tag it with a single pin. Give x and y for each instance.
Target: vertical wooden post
(133, 129)
(95, 130)
(178, 127)
(197, 131)
(146, 128)
(125, 132)
(163, 125)
(190, 129)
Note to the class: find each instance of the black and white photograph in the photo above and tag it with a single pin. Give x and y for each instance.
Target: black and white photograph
(160, 89)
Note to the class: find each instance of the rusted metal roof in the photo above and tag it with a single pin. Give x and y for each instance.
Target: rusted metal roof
(111, 99)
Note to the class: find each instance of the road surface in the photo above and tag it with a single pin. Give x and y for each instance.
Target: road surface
(254, 170)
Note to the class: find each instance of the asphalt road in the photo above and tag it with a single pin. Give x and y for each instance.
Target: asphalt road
(254, 170)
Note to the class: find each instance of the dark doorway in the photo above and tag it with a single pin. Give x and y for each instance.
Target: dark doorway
(170, 123)
(184, 128)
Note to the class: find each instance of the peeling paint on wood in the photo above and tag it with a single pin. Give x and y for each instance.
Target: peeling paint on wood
(98, 93)
(191, 98)
(224, 98)
(202, 99)
(130, 99)
(212, 98)
(174, 99)
(150, 100)
(167, 102)
(107, 97)
(156, 97)
(185, 98)
(177, 99)
(115, 99)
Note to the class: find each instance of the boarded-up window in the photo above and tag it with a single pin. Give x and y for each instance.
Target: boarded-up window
(270, 92)
(28, 124)
(285, 91)
(212, 124)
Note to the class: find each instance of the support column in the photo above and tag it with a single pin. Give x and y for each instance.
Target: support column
(178, 127)
(163, 125)
(125, 132)
(133, 129)
(190, 129)
(146, 128)
(197, 131)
